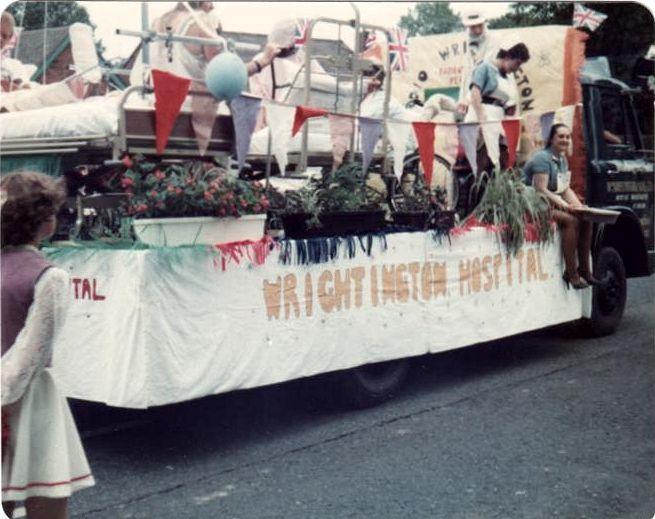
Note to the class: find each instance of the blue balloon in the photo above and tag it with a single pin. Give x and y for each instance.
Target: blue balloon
(226, 76)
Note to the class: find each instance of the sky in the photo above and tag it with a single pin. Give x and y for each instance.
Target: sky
(257, 17)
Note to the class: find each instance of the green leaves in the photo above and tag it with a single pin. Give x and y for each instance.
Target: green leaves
(517, 210)
(189, 189)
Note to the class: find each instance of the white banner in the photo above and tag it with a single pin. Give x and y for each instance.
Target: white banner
(153, 327)
(437, 62)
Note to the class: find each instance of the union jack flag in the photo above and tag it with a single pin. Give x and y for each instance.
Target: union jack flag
(301, 32)
(398, 49)
(585, 17)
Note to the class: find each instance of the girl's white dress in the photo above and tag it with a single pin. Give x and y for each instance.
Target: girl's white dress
(44, 455)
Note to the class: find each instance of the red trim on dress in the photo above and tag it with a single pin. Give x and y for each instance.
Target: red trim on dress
(47, 484)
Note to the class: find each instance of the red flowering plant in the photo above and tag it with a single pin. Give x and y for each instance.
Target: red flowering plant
(188, 189)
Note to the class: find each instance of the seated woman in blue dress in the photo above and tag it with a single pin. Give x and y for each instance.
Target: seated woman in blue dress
(548, 172)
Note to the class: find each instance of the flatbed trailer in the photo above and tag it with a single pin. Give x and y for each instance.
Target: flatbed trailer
(157, 326)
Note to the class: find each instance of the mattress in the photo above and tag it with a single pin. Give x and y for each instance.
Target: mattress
(93, 116)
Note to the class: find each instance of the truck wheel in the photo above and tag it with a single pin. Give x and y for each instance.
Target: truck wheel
(609, 298)
(372, 384)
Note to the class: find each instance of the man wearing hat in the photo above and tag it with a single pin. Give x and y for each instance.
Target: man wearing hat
(480, 46)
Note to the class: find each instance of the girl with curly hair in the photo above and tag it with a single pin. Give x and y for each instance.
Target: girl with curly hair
(43, 461)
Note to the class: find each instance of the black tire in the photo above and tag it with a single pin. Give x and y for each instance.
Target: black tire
(609, 298)
(371, 384)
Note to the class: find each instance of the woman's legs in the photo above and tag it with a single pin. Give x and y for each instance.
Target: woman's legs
(568, 225)
(584, 247)
(46, 508)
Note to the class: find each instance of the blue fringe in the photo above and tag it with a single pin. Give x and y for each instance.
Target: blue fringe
(323, 250)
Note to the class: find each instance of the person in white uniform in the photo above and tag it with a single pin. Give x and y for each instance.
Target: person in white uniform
(43, 461)
(481, 45)
(491, 91)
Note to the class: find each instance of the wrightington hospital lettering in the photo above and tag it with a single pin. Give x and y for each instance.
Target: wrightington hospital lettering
(294, 296)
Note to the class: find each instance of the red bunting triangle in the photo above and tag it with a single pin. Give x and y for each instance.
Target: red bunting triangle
(170, 91)
(512, 128)
(424, 132)
(302, 114)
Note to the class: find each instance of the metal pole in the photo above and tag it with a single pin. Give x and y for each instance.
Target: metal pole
(354, 105)
(145, 42)
(219, 41)
(302, 164)
(387, 97)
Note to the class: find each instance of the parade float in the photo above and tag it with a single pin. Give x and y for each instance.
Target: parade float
(160, 316)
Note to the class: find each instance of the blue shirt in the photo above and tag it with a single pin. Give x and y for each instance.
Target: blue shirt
(485, 77)
(545, 161)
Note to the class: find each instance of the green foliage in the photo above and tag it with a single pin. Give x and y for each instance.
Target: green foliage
(60, 14)
(342, 190)
(415, 196)
(345, 190)
(517, 210)
(188, 189)
(531, 14)
(626, 34)
(430, 18)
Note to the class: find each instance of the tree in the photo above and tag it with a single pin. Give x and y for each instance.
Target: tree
(527, 15)
(626, 34)
(30, 15)
(430, 18)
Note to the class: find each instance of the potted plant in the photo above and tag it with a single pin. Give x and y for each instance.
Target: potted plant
(347, 204)
(192, 203)
(299, 213)
(339, 202)
(516, 210)
(418, 207)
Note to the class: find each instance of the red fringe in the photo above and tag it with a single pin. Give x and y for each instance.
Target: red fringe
(255, 251)
(531, 234)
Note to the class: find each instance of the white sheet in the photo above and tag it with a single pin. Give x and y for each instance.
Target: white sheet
(154, 327)
(93, 116)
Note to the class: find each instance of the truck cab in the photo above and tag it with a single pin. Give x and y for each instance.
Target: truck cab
(620, 167)
(619, 176)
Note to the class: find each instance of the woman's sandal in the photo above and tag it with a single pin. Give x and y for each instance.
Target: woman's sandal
(578, 285)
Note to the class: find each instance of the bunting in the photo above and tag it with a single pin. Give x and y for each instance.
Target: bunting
(280, 121)
(245, 110)
(468, 137)
(447, 142)
(512, 129)
(302, 114)
(170, 92)
(546, 122)
(341, 130)
(371, 131)
(203, 115)
(398, 133)
(424, 132)
(491, 132)
(564, 115)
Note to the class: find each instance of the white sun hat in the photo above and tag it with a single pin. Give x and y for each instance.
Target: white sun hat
(473, 18)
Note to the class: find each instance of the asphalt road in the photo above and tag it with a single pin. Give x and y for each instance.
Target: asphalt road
(542, 425)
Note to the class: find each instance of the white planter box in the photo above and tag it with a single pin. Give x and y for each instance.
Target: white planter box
(199, 230)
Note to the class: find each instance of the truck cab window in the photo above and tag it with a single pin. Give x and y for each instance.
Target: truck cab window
(617, 129)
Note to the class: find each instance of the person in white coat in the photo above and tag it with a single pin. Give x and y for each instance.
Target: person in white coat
(481, 45)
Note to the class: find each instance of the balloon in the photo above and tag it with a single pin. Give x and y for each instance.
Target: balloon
(226, 76)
